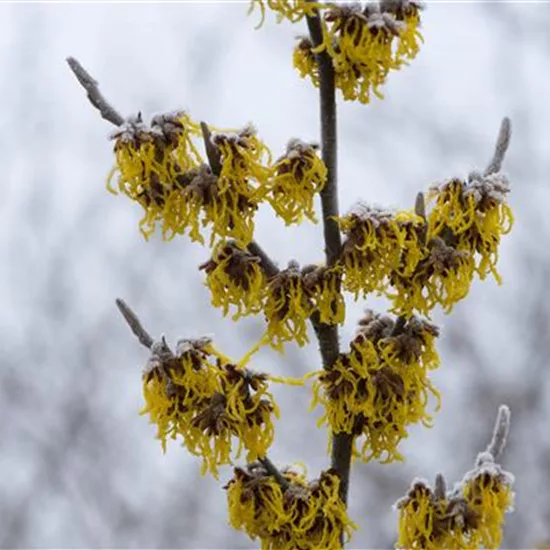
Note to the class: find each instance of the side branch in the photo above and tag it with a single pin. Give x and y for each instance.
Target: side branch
(266, 262)
(212, 153)
(503, 141)
(134, 323)
(107, 111)
(272, 470)
(500, 432)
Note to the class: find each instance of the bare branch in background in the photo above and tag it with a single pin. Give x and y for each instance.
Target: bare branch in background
(108, 112)
(134, 323)
(501, 147)
(500, 434)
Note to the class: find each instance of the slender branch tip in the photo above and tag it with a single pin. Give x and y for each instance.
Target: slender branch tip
(420, 205)
(440, 486)
(500, 432)
(212, 152)
(95, 97)
(503, 141)
(134, 323)
(273, 471)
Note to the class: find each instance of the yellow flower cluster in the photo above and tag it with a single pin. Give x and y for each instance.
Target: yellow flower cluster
(472, 516)
(199, 395)
(364, 43)
(304, 60)
(473, 215)
(235, 278)
(293, 10)
(420, 261)
(160, 168)
(287, 308)
(322, 285)
(379, 244)
(381, 386)
(294, 515)
(443, 277)
(298, 176)
(229, 205)
(153, 166)
(489, 496)
(294, 294)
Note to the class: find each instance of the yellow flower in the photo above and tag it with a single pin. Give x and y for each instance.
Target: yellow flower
(289, 516)
(244, 158)
(407, 12)
(174, 386)
(381, 386)
(365, 43)
(230, 215)
(470, 516)
(153, 165)
(474, 216)
(419, 263)
(208, 405)
(434, 522)
(160, 168)
(444, 277)
(235, 278)
(231, 200)
(242, 408)
(255, 502)
(378, 244)
(322, 285)
(420, 517)
(293, 10)
(304, 60)
(287, 308)
(298, 176)
(361, 53)
(487, 490)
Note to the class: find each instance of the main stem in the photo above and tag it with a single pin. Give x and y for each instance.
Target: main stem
(328, 334)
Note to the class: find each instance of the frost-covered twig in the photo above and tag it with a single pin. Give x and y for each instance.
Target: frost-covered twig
(500, 433)
(212, 152)
(440, 486)
(272, 470)
(108, 112)
(134, 323)
(266, 262)
(501, 147)
(420, 205)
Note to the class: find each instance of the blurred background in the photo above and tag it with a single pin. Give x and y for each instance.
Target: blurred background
(78, 466)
